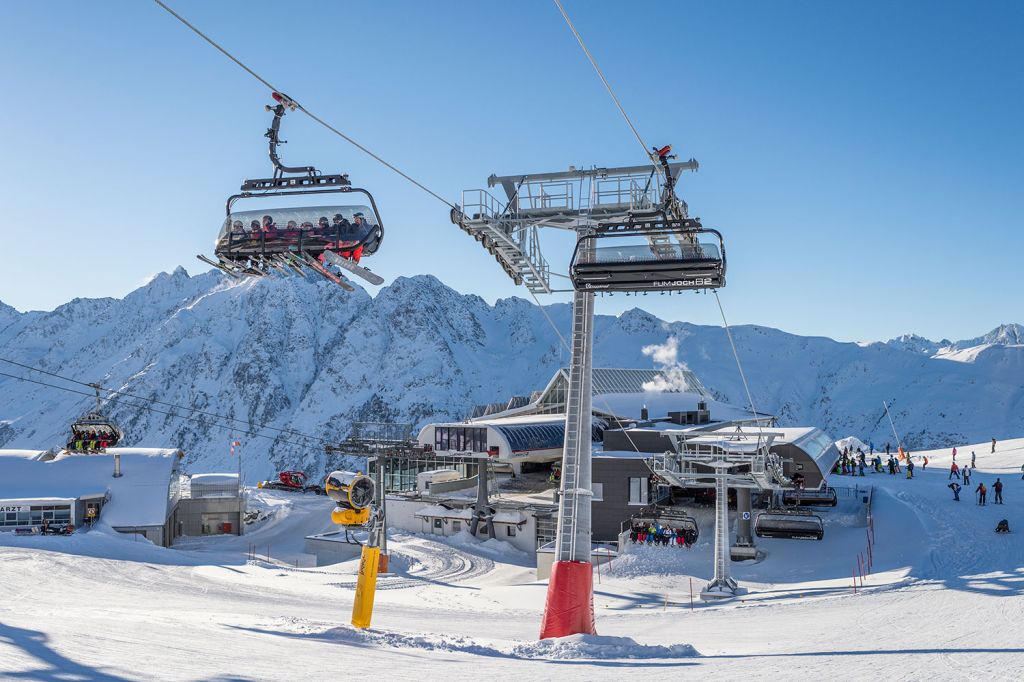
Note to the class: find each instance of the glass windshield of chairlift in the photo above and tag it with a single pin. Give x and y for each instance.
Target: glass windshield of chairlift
(329, 221)
(638, 250)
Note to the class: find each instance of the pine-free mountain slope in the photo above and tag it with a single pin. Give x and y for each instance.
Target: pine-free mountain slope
(298, 354)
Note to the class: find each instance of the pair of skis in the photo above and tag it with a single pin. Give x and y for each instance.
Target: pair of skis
(295, 262)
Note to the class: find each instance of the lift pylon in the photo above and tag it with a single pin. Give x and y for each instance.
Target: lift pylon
(569, 609)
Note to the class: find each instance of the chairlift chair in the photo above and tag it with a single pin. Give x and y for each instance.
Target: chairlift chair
(656, 249)
(257, 242)
(93, 431)
(676, 519)
(790, 525)
(818, 497)
(659, 255)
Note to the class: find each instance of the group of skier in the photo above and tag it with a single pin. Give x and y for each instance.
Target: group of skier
(656, 534)
(854, 463)
(340, 232)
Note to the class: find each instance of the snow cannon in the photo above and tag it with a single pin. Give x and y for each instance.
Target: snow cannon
(353, 493)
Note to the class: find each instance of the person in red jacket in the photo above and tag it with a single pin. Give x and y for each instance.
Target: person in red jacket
(981, 490)
(954, 470)
(998, 487)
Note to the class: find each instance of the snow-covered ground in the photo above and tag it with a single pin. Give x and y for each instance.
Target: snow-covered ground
(945, 601)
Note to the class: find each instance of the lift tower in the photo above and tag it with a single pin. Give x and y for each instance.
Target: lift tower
(633, 234)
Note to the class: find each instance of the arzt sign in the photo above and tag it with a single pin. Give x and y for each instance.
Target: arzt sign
(9, 508)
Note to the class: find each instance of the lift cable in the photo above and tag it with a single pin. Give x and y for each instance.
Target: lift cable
(118, 392)
(639, 139)
(607, 85)
(225, 427)
(739, 366)
(566, 346)
(304, 110)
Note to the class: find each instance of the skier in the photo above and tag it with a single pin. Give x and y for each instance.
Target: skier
(886, 449)
(861, 468)
(925, 464)
(967, 475)
(998, 487)
(981, 490)
(1003, 526)
(972, 458)
(910, 468)
(955, 487)
(993, 445)
(892, 466)
(878, 465)
(871, 447)
(954, 454)
(954, 470)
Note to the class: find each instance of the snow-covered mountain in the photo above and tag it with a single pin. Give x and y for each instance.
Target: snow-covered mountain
(298, 354)
(1003, 335)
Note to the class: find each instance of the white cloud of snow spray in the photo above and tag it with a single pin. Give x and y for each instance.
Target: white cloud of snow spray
(673, 370)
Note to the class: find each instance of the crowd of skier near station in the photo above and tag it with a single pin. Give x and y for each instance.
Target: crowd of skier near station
(854, 463)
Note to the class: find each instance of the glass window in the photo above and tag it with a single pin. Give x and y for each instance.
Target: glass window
(510, 531)
(437, 438)
(444, 437)
(456, 526)
(437, 523)
(598, 489)
(638, 491)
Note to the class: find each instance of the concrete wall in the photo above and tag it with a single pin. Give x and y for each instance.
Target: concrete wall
(195, 513)
(154, 534)
(328, 549)
(441, 487)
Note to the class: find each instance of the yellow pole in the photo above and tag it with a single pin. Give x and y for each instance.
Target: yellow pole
(366, 587)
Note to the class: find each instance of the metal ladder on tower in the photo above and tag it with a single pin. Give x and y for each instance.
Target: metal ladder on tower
(574, 529)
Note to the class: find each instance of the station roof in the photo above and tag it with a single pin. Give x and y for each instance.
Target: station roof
(138, 498)
(604, 381)
(25, 454)
(660, 403)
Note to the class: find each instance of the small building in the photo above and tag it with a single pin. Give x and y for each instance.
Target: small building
(132, 490)
(212, 504)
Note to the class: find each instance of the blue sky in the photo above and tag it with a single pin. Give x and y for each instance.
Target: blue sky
(861, 159)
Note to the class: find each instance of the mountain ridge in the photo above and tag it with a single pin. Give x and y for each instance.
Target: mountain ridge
(298, 354)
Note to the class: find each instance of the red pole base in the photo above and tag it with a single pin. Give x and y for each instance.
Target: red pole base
(570, 604)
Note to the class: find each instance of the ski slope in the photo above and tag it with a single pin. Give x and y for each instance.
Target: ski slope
(945, 601)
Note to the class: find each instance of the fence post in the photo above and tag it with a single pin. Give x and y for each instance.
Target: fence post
(691, 594)
(855, 579)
